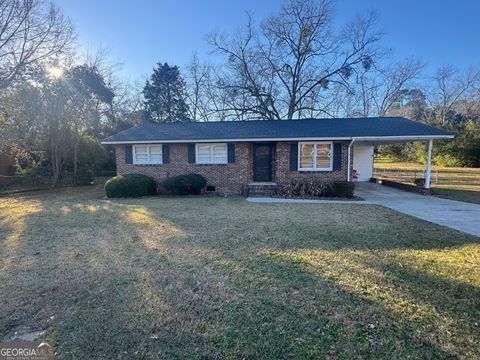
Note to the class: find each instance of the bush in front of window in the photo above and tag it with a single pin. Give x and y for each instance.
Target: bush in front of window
(308, 189)
(302, 188)
(344, 189)
(130, 185)
(185, 184)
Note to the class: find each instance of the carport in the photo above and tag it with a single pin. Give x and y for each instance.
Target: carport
(362, 151)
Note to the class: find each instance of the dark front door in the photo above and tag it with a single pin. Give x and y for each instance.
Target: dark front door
(262, 162)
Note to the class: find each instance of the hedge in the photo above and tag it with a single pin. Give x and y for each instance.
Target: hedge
(130, 185)
(185, 184)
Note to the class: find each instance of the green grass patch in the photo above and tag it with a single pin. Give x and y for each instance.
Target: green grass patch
(472, 196)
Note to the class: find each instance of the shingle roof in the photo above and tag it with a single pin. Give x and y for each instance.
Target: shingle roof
(344, 128)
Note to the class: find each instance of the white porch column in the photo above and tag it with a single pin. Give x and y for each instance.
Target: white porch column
(429, 164)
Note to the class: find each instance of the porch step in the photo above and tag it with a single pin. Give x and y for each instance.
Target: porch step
(261, 189)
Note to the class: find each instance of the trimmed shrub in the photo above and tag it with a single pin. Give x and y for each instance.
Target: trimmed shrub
(130, 185)
(343, 189)
(185, 184)
(303, 188)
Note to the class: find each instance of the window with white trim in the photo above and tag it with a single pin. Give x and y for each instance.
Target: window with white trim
(147, 154)
(315, 156)
(211, 154)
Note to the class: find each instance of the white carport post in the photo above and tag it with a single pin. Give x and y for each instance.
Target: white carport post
(349, 159)
(429, 163)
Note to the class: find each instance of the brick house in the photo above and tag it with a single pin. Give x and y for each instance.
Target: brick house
(250, 156)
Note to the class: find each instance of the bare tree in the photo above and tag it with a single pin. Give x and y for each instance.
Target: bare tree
(451, 86)
(198, 79)
(392, 80)
(246, 78)
(217, 101)
(377, 91)
(31, 31)
(128, 107)
(294, 56)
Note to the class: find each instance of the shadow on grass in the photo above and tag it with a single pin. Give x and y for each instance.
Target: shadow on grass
(209, 277)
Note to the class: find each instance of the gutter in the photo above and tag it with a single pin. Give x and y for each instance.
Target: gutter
(404, 137)
(349, 157)
(107, 142)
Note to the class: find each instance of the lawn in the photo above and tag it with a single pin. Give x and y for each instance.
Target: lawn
(459, 193)
(456, 183)
(213, 277)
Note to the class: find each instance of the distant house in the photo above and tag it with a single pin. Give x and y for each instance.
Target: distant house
(237, 155)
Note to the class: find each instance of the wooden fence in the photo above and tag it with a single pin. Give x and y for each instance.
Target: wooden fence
(443, 176)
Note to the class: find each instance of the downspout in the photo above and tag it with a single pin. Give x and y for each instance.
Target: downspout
(349, 156)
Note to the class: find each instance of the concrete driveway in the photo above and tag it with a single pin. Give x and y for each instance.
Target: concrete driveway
(454, 214)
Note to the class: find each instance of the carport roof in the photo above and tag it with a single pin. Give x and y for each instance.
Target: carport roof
(373, 128)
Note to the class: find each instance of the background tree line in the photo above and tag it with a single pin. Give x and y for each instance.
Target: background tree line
(57, 104)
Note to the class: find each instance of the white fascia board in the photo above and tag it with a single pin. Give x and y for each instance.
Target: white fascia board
(222, 140)
(361, 138)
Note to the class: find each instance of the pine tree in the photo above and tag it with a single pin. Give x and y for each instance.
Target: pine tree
(165, 95)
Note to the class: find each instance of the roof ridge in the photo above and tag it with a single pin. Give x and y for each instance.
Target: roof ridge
(269, 120)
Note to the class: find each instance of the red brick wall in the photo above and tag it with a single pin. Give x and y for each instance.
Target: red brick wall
(282, 174)
(229, 178)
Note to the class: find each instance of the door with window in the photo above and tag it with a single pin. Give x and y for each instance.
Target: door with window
(262, 162)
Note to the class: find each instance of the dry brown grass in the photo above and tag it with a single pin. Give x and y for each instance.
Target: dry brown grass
(171, 277)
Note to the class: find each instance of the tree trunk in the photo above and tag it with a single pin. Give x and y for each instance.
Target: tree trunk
(55, 163)
(75, 162)
(53, 156)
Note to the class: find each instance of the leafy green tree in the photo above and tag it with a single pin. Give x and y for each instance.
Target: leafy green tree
(92, 102)
(165, 95)
(58, 119)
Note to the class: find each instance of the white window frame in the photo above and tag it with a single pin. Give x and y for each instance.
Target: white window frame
(210, 162)
(315, 143)
(148, 162)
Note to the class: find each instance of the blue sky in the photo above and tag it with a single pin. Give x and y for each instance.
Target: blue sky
(141, 33)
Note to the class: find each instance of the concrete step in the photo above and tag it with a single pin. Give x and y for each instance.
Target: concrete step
(261, 189)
